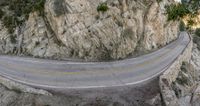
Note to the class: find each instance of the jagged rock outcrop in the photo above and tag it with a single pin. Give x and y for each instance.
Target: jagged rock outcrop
(74, 28)
(180, 85)
(38, 40)
(170, 80)
(183, 90)
(157, 31)
(115, 33)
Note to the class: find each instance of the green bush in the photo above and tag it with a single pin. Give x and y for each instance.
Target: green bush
(187, 8)
(197, 32)
(102, 7)
(20, 12)
(176, 11)
(8, 22)
(182, 80)
(190, 22)
(182, 26)
(39, 6)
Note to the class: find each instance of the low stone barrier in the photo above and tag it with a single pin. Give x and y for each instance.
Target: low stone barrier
(170, 76)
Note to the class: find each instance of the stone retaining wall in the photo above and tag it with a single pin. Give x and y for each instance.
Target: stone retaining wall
(170, 76)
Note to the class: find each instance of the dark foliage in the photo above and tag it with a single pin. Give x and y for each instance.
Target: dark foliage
(102, 7)
(176, 11)
(20, 12)
(197, 32)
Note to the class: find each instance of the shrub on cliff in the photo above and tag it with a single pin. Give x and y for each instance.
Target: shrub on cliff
(24, 7)
(197, 32)
(102, 7)
(20, 10)
(176, 11)
(182, 26)
(9, 23)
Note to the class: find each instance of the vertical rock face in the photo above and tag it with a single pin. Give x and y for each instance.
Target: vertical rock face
(158, 31)
(114, 33)
(75, 28)
(38, 40)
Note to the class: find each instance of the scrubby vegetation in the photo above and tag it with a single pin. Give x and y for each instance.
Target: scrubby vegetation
(19, 12)
(24, 7)
(176, 11)
(187, 9)
(197, 32)
(182, 26)
(102, 7)
(9, 23)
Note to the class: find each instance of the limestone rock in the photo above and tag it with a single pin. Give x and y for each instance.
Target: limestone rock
(113, 34)
(74, 28)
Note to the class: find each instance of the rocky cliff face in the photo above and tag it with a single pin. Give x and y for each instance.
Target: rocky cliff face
(74, 28)
(181, 87)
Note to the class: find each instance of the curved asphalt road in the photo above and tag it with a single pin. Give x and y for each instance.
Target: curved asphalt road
(66, 75)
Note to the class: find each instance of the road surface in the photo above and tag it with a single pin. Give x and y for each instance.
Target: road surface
(74, 75)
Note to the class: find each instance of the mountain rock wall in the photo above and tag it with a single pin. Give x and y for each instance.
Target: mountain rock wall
(76, 29)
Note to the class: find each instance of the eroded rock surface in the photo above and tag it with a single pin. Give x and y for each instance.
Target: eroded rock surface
(182, 88)
(74, 28)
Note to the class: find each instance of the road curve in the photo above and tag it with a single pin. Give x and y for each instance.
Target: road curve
(77, 75)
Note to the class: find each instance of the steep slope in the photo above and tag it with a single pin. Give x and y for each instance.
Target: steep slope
(77, 29)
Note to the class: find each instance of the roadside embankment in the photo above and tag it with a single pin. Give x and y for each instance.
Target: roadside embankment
(171, 76)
